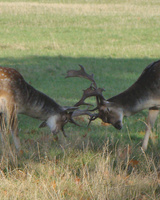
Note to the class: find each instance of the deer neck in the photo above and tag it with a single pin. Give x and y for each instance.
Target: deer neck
(134, 99)
(39, 105)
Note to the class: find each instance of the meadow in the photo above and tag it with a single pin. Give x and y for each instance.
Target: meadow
(115, 40)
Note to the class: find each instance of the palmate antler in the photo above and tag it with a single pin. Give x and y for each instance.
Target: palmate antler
(92, 91)
(82, 74)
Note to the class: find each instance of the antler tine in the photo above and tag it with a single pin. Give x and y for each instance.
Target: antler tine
(78, 113)
(86, 93)
(90, 92)
(94, 117)
(82, 74)
(63, 131)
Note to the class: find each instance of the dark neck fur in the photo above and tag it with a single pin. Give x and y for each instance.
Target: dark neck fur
(144, 93)
(39, 105)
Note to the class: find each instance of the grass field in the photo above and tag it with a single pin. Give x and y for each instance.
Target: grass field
(115, 40)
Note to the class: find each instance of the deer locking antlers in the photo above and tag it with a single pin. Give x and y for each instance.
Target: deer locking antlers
(92, 91)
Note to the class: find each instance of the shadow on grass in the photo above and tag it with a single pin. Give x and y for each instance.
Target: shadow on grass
(105, 69)
(114, 74)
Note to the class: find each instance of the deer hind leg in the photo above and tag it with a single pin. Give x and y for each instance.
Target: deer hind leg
(14, 131)
(2, 124)
(152, 116)
(13, 125)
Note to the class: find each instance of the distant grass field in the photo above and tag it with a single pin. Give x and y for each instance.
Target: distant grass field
(115, 40)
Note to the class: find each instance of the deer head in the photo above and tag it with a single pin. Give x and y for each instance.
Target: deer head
(57, 122)
(111, 113)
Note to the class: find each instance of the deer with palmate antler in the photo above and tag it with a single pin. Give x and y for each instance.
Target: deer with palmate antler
(19, 97)
(143, 94)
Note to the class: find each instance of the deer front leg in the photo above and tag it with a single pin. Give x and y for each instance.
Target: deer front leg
(152, 116)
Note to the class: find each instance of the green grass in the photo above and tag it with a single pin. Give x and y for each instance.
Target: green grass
(115, 40)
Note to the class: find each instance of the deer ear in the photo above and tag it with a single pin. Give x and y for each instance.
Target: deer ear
(69, 109)
(109, 104)
(43, 124)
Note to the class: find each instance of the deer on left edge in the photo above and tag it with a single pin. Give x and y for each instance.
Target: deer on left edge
(19, 97)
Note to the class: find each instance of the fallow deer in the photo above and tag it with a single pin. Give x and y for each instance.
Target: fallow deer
(143, 94)
(19, 97)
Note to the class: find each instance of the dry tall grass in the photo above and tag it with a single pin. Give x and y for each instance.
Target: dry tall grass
(80, 174)
(75, 173)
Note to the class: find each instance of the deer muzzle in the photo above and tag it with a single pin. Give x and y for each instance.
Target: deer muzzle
(118, 125)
